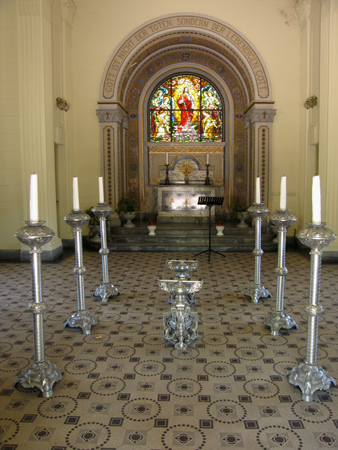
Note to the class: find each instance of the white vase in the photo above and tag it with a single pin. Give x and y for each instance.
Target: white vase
(242, 217)
(220, 229)
(129, 216)
(152, 229)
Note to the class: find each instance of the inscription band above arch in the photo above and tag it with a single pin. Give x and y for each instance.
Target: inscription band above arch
(209, 26)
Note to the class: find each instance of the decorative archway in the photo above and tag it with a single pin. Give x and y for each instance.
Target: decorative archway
(178, 43)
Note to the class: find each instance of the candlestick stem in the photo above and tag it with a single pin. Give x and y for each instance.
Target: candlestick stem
(105, 290)
(256, 291)
(166, 181)
(81, 318)
(207, 179)
(278, 319)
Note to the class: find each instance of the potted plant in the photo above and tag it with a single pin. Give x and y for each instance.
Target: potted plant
(93, 224)
(127, 208)
(239, 213)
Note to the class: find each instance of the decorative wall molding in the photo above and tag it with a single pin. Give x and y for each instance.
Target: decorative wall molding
(303, 10)
(261, 115)
(68, 9)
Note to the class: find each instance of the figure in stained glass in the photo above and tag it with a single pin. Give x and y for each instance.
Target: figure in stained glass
(186, 108)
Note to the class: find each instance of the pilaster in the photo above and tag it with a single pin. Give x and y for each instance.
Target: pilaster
(113, 125)
(36, 109)
(261, 120)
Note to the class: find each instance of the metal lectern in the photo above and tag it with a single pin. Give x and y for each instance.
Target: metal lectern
(210, 202)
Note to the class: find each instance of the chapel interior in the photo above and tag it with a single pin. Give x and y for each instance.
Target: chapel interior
(169, 104)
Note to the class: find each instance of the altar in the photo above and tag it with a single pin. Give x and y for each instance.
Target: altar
(178, 202)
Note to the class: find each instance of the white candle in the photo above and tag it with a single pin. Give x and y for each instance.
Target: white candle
(76, 204)
(316, 200)
(101, 194)
(208, 158)
(33, 199)
(166, 158)
(258, 190)
(283, 194)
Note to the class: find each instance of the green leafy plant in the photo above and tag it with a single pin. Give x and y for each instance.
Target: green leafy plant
(94, 220)
(126, 205)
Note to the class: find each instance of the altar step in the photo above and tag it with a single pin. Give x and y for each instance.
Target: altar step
(184, 238)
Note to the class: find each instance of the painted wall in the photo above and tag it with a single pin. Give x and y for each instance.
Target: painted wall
(272, 28)
(99, 26)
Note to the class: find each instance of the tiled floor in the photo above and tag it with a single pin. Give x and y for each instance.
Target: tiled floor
(124, 388)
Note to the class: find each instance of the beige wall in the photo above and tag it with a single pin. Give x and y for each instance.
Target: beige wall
(99, 26)
(11, 203)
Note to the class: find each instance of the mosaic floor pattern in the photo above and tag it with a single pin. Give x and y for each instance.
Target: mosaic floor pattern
(125, 388)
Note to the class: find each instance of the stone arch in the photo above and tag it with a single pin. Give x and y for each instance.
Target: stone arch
(176, 42)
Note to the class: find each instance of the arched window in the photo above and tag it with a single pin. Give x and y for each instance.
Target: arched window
(186, 108)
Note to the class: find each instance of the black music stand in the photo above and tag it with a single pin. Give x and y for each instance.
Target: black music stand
(210, 202)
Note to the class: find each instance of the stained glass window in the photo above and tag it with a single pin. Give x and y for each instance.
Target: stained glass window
(186, 108)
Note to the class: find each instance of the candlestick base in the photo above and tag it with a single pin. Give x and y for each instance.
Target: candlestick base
(105, 291)
(256, 291)
(81, 319)
(278, 320)
(41, 375)
(310, 379)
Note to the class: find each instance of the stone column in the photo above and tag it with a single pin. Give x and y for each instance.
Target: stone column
(261, 121)
(328, 113)
(36, 112)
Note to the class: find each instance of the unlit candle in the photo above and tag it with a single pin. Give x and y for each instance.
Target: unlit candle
(33, 199)
(316, 200)
(76, 203)
(258, 190)
(208, 158)
(101, 194)
(166, 158)
(283, 194)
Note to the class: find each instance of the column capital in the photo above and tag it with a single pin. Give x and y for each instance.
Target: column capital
(111, 116)
(261, 115)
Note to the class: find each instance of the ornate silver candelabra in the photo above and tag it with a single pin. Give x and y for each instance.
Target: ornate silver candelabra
(308, 376)
(81, 318)
(182, 268)
(105, 290)
(278, 319)
(42, 374)
(256, 291)
(180, 324)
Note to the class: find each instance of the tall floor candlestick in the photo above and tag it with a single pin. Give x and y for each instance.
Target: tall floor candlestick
(105, 290)
(308, 376)
(81, 318)
(256, 291)
(42, 374)
(278, 319)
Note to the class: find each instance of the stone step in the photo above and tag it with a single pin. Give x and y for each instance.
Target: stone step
(183, 238)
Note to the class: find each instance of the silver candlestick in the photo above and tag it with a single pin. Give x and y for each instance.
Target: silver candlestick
(278, 319)
(182, 268)
(256, 291)
(81, 318)
(42, 374)
(308, 376)
(180, 324)
(105, 290)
